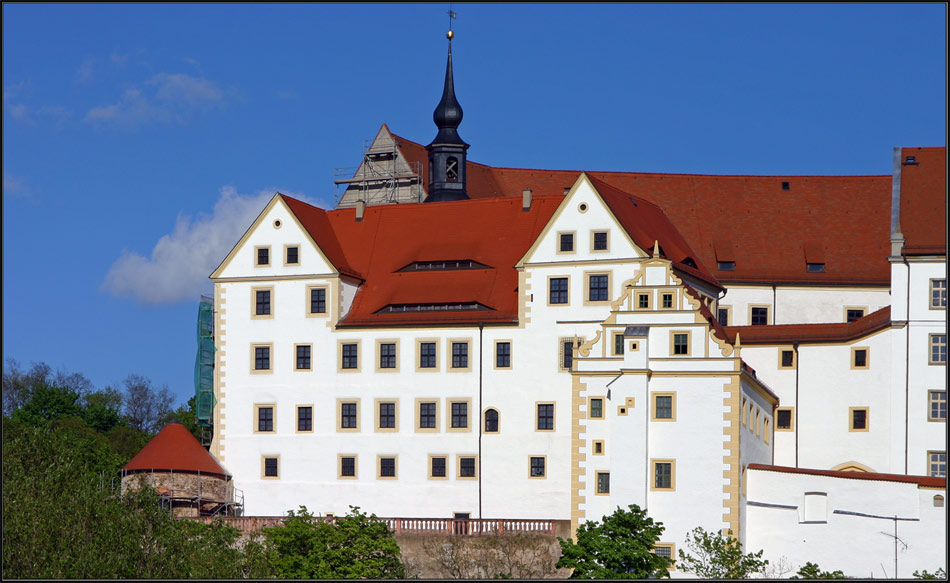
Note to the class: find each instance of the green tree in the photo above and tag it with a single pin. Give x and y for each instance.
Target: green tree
(812, 571)
(355, 546)
(101, 410)
(48, 403)
(185, 414)
(719, 557)
(619, 547)
(938, 574)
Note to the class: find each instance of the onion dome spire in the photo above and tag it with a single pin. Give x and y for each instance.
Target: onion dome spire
(447, 150)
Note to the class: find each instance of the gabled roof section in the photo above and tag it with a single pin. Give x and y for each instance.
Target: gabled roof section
(922, 481)
(789, 333)
(175, 448)
(923, 212)
(317, 224)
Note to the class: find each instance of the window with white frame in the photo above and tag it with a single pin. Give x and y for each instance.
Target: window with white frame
(938, 294)
(937, 463)
(938, 349)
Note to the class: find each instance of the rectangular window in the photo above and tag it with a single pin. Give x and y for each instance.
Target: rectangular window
(271, 467)
(318, 300)
(937, 463)
(348, 418)
(305, 418)
(427, 356)
(859, 418)
(722, 314)
(263, 303)
(347, 466)
(427, 413)
(859, 358)
(459, 415)
(437, 467)
(938, 405)
(387, 415)
(387, 467)
(787, 359)
(503, 355)
(759, 316)
(557, 287)
(598, 448)
(815, 267)
(938, 294)
(265, 418)
(263, 256)
(387, 355)
(852, 314)
(567, 354)
(643, 301)
(303, 357)
(600, 240)
(603, 482)
(350, 356)
(618, 344)
(663, 550)
(726, 265)
(293, 255)
(938, 349)
(681, 344)
(566, 244)
(663, 406)
(783, 419)
(545, 421)
(467, 467)
(596, 408)
(663, 475)
(537, 467)
(597, 288)
(460, 355)
(262, 358)
(667, 300)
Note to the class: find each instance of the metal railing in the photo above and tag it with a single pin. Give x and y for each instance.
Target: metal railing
(447, 526)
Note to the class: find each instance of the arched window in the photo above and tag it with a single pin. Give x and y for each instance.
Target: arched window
(491, 421)
(938, 500)
(452, 169)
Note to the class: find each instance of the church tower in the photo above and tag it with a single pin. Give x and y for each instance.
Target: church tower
(447, 150)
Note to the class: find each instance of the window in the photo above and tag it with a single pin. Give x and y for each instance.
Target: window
(643, 301)
(937, 463)
(305, 418)
(459, 415)
(663, 550)
(603, 482)
(566, 243)
(437, 466)
(387, 415)
(597, 288)
(263, 256)
(537, 467)
(618, 344)
(318, 300)
(262, 358)
(567, 354)
(348, 466)
(666, 301)
(427, 355)
(451, 169)
(262, 306)
(303, 357)
(859, 357)
(759, 316)
(466, 466)
(596, 408)
(598, 448)
(503, 355)
(784, 419)
(938, 405)
(460, 355)
(387, 467)
(722, 314)
(852, 314)
(859, 418)
(664, 407)
(663, 475)
(271, 467)
(350, 356)
(557, 287)
(727, 265)
(938, 294)
(491, 421)
(938, 349)
(293, 255)
(265, 419)
(815, 267)
(600, 241)
(681, 343)
(427, 415)
(786, 359)
(387, 355)
(349, 418)
(545, 420)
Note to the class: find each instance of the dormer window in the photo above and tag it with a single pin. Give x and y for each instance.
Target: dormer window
(452, 169)
(446, 265)
(443, 307)
(727, 265)
(815, 267)
(911, 161)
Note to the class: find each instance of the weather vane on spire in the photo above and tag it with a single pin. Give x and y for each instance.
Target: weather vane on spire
(450, 34)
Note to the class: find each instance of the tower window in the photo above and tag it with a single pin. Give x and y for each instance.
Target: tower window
(452, 169)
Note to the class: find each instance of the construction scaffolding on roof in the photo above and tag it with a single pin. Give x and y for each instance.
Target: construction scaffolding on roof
(383, 177)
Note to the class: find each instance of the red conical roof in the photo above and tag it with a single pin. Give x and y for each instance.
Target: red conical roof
(175, 448)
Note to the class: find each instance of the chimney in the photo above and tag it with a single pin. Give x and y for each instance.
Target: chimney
(360, 209)
(526, 199)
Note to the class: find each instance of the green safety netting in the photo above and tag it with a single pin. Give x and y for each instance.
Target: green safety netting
(204, 363)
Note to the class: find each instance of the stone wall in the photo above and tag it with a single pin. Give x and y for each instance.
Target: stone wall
(514, 556)
(182, 488)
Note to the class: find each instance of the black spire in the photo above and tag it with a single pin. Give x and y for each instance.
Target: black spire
(447, 150)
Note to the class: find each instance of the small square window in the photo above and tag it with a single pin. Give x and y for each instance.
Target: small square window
(318, 300)
(270, 467)
(263, 256)
(387, 467)
(557, 290)
(596, 408)
(643, 301)
(667, 300)
(305, 418)
(760, 316)
(348, 466)
(783, 419)
(788, 359)
(503, 355)
(938, 405)
(938, 349)
(467, 467)
(600, 240)
(663, 407)
(853, 314)
(303, 357)
(937, 462)
(293, 255)
(859, 419)
(437, 467)
(859, 358)
(681, 344)
(603, 482)
(537, 467)
(545, 421)
(566, 244)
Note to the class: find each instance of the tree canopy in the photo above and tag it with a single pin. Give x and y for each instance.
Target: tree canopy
(719, 556)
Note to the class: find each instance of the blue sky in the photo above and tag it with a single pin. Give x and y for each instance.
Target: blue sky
(140, 140)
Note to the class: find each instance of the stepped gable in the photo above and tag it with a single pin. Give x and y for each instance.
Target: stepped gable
(923, 215)
(833, 332)
(175, 449)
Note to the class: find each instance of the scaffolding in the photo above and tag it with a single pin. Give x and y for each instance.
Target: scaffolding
(204, 366)
(189, 494)
(383, 177)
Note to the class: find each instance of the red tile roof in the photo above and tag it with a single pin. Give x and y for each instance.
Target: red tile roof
(923, 215)
(175, 448)
(768, 227)
(925, 481)
(789, 333)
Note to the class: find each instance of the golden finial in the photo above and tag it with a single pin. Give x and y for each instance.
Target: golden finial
(449, 35)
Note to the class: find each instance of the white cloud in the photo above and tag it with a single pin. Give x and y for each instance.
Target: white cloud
(181, 87)
(87, 70)
(173, 98)
(14, 186)
(181, 261)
